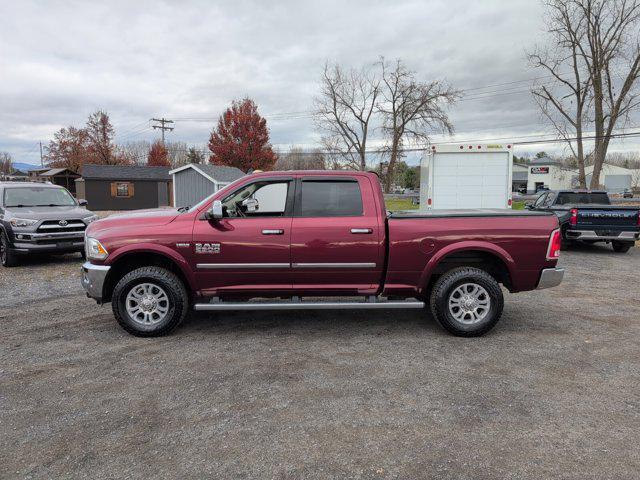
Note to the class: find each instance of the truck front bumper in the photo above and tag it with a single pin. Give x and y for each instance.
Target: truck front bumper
(550, 277)
(57, 242)
(93, 278)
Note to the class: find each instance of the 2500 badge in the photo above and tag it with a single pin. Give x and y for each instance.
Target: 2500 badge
(207, 248)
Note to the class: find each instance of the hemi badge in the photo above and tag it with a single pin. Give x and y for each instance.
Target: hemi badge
(183, 245)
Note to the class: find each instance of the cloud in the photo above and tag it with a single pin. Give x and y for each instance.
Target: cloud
(59, 61)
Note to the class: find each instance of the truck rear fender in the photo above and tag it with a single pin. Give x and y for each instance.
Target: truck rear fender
(485, 255)
(131, 257)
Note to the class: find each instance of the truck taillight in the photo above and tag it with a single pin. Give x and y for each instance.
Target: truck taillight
(555, 242)
(429, 201)
(574, 216)
(509, 202)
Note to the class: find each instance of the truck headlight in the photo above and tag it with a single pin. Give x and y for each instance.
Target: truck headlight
(94, 249)
(90, 219)
(22, 222)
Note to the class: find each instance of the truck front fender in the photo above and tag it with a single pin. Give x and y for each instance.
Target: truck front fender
(156, 249)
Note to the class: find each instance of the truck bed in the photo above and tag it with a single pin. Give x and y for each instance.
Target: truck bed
(476, 212)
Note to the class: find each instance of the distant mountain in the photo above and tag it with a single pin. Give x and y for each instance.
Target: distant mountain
(24, 167)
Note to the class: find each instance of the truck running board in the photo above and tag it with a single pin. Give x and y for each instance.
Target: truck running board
(306, 305)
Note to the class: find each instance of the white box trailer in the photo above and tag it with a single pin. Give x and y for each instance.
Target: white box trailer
(465, 176)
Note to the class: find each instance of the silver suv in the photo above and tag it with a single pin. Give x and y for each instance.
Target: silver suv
(40, 218)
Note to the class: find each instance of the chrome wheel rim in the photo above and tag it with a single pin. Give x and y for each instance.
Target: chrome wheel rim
(147, 304)
(469, 303)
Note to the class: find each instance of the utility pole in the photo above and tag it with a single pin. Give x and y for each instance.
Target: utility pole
(41, 160)
(162, 126)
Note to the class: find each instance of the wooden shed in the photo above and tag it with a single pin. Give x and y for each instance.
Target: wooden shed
(116, 187)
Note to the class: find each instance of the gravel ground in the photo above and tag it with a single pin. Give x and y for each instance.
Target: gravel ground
(552, 392)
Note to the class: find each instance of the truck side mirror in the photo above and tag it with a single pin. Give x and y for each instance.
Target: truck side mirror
(215, 212)
(82, 202)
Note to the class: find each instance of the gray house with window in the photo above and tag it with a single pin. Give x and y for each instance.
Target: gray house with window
(118, 187)
(195, 182)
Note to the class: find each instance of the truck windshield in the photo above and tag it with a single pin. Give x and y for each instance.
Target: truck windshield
(37, 197)
(568, 198)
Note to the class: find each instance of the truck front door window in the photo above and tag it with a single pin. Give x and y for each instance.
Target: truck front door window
(259, 199)
(540, 200)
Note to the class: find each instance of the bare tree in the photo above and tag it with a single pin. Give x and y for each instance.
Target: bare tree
(135, 152)
(344, 110)
(177, 152)
(611, 51)
(599, 41)
(563, 100)
(298, 159)
(6, 164)
(411, 110)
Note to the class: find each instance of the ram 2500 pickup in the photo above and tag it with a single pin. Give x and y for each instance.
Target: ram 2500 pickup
(315, 240)
(588, 216)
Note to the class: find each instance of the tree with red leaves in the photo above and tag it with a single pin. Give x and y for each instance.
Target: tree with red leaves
(73, 147)
(158, 155)
(241, 139)
(68, 149)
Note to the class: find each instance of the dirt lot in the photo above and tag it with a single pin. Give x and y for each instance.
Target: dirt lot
(553, 391)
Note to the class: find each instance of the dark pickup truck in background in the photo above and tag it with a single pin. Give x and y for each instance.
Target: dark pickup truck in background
(588, 216)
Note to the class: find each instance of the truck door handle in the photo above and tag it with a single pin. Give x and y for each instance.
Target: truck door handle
(362, 230)
(272, 232)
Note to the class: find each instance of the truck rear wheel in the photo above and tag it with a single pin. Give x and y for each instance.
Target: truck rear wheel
(467, 301)
(150, 302)
(621, 247)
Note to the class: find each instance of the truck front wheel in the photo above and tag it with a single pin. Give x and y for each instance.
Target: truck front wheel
(467, 301)
(621, 247)
(7, 258)
(150, 302)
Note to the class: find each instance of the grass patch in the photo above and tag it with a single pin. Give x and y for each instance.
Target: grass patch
(397, 204)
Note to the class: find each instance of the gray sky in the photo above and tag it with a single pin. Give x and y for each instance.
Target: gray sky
(59, 61)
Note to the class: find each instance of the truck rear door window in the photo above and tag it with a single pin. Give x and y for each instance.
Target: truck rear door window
(330, 199)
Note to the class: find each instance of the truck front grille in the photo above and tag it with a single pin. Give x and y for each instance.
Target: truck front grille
(54, 226)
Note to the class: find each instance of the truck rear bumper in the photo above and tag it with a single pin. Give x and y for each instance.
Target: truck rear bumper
(550, 277)
(593, 235)
(93, 278)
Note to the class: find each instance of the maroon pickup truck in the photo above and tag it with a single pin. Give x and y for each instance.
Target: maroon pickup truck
(315, 240)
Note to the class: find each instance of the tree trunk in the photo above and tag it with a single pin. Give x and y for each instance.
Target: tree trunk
(392, 163)
(599, 152)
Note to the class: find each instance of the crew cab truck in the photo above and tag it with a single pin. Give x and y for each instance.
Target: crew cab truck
(299, 240)
(588, 216)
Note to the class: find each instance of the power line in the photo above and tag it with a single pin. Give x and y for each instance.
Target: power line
(424, 148)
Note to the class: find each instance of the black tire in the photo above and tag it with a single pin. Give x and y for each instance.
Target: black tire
(177, 299)
(7, 258)
(621, 247)
(445, 287)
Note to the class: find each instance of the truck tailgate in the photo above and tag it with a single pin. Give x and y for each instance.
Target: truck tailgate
(605, 217)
